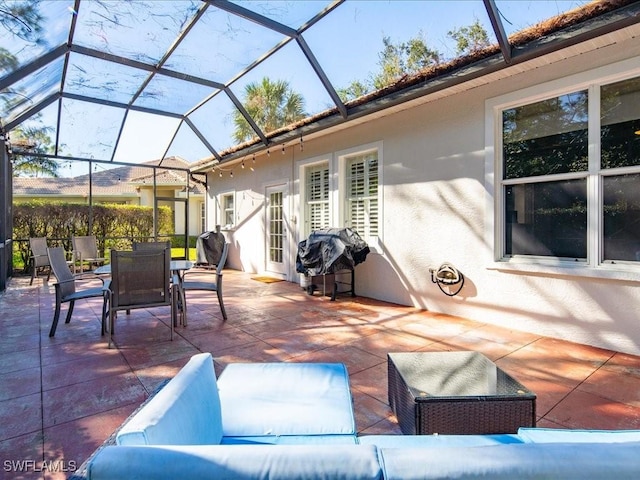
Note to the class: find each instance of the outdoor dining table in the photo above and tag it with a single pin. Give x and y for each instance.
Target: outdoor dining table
(176, 266)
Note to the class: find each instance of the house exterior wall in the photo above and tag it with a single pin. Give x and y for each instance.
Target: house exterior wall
(438, 206)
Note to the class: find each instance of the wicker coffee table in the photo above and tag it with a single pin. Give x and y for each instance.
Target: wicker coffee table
(456, 393)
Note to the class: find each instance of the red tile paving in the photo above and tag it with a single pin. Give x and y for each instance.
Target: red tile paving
(60, 398)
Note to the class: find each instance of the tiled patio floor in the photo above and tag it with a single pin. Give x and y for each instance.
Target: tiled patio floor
(60, 398)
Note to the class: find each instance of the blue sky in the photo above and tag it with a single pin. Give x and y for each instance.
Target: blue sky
(346, 45)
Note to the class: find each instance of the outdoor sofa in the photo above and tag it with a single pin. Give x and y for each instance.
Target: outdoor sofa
(296, 421)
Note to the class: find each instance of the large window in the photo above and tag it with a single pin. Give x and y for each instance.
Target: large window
(317, 197)
(545, 163)
(570, 178)
(620, 167)
(361, 194)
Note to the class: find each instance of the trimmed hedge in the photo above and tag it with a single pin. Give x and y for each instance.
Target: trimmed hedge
(115, 226)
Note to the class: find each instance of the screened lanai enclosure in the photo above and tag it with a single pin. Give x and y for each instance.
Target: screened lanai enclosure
(177, 88)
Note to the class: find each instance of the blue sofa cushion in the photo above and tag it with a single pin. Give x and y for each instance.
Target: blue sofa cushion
(437, 441)
(185, 412)
(520, 461)
(291, 440)
(286, 399)
(233, 462)
(552, 435)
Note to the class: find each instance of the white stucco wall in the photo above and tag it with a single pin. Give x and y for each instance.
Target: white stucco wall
(436, 208)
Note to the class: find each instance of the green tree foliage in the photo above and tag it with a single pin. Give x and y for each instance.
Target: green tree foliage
(396, 60)
(115, 226)
(355, 90)
(404, 58)
(546, 137)
(23, 20)
(272, 104)
(35, 140)
(469, 39)
(8, 62)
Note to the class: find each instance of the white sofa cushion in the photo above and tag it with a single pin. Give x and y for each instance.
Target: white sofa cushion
(552, 435)
(185, 412)
(520, 461)
(286, 399)
(234, 462)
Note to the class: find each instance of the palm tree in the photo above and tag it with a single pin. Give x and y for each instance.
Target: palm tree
(271, 104)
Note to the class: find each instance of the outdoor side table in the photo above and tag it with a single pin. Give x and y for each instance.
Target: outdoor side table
(456, 393)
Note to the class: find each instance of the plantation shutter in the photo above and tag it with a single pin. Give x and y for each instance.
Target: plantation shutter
(362, 194)
(317, 201)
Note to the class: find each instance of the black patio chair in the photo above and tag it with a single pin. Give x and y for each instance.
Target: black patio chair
(141, 279)
(207, 281)
(66, 288)
(85, 251)
(39, 258)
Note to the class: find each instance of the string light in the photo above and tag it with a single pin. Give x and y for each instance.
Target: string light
(301, 144)
(231, 173)
(283, 148)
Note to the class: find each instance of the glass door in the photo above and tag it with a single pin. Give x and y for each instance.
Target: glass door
(277, 231)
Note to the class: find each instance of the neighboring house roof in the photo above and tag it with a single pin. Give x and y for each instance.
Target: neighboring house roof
(120, 181)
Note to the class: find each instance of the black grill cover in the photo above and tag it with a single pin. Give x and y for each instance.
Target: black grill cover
(209, 247)
(330, 250)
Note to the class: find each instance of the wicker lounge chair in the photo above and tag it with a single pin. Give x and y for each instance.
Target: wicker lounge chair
(141, 279)
(206, 281)
(66, 288)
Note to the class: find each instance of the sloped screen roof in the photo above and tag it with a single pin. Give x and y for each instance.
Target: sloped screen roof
(132, 81)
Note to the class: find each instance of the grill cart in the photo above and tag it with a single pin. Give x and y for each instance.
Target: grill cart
(209, 247)
(328, 258)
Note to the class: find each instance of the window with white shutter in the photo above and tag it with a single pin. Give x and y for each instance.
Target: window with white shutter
(361, 196)
(317, 198)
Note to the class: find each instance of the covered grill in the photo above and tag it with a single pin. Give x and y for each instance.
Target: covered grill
(330, 251)
(209, 247)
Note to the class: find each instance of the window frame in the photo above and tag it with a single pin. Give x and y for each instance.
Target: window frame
(495, 221)
(223, 210)
(344, 156)
(305, 169)
(202, 209)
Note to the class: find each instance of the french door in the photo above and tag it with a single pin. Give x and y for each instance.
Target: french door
(277, 231)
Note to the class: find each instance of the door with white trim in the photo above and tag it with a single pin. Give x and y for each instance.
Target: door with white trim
(277, 229)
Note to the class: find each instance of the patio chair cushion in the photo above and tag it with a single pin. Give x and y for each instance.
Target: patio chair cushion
(553, 435)
(519, 460)
(282, 462)
(286, 399)
(185, 412)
